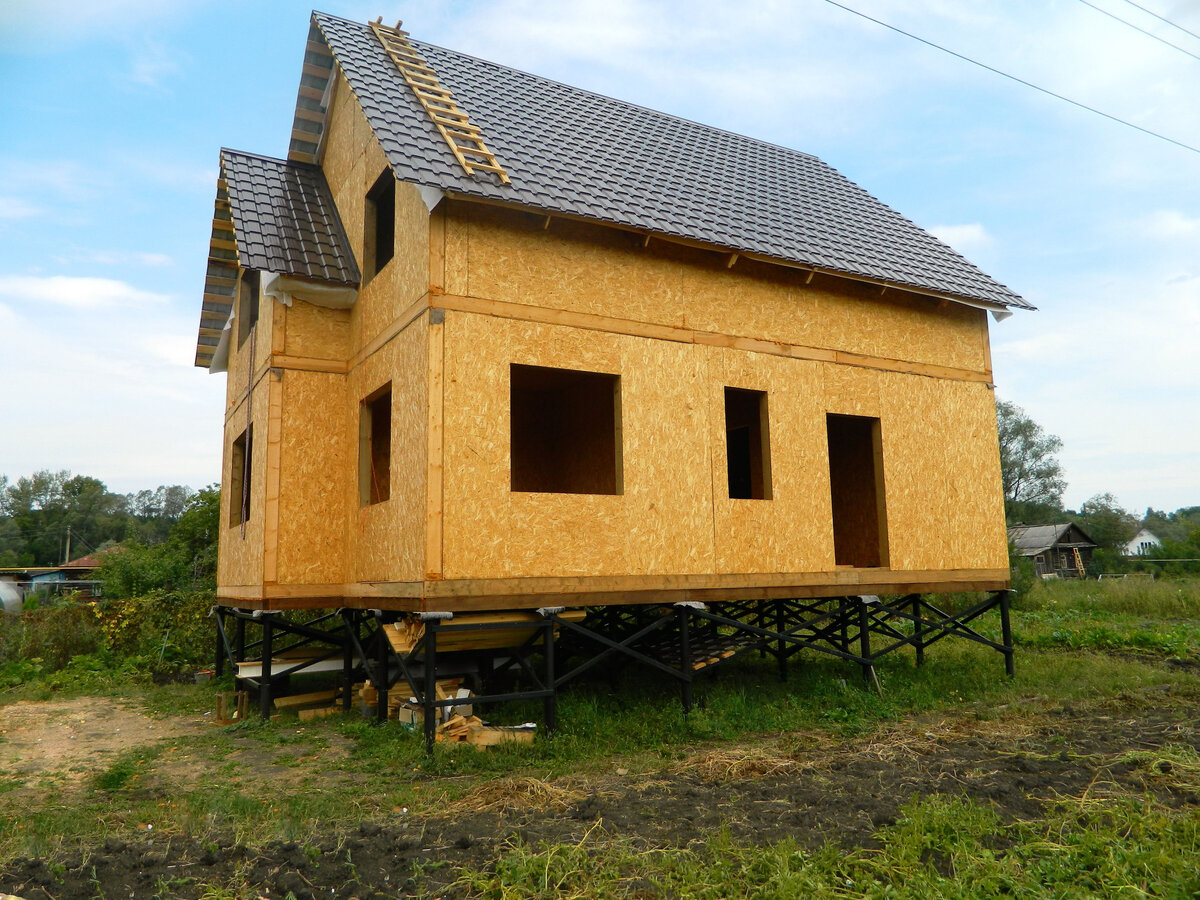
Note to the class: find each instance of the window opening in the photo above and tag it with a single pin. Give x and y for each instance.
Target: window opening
(857, 491)
(379, 220)
(248, 296)
(375, 447)
(239, 477)
(565, 431)
(747, 444)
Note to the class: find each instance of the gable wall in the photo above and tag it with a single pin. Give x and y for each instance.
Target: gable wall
(325, 535)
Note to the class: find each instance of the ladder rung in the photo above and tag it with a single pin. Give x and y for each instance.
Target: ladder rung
(485, 153)
(486, 167)
(463, 134)
(442, 108)
(459, 121)
(433, 90)
(411, 73)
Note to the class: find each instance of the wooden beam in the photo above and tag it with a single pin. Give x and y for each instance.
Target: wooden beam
(590, 321)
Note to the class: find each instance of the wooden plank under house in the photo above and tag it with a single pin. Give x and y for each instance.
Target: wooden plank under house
(497, 343)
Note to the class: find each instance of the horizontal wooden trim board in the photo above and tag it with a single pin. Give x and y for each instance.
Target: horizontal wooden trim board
(592, 322)
(469, 595)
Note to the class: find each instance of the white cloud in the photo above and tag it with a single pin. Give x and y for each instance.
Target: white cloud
(16, 208)
(116, 258)
(1171, 225)
(48, 25)
(75, 293)
(966, 239)
(152, 63)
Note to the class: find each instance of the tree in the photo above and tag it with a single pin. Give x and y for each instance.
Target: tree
(186, 560)
(1107, 522)
(1032, 476)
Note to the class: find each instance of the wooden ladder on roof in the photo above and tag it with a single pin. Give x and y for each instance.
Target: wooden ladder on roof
(464, 137)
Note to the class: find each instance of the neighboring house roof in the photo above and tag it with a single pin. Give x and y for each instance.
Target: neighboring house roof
(1031, 540)
(1144, 536)
(572, 152)
(90, 561)
(273, 215)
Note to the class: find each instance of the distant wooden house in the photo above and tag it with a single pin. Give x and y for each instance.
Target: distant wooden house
(75, 577)
(1062, 551)
(497, 342)
(1142, 544)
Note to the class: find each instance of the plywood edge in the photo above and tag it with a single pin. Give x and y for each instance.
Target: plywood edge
(530, 593)
(847, 577)
(590, 321)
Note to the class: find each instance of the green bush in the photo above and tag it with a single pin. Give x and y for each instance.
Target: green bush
(55, 634)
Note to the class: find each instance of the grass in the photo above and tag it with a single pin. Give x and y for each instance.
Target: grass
(1085, 643)
(944, 847)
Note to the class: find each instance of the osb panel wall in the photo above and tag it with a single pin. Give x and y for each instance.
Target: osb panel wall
(583, 268)
(790, 532)
(675, 517)
(942, 474)
(663, 521)
(317, 333)
(240, 560)
(317, 458)
(259, 339)
(385, 541)
(352, 162)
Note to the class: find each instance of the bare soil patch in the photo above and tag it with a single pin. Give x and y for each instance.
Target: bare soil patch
(808, 788)
(69, 740)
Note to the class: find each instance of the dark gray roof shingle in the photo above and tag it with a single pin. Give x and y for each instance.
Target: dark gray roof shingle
(285, 220)
(574, 152)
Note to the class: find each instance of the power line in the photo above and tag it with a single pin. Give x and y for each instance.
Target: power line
(1138, 28)
(1151, 12)
(1028, 84)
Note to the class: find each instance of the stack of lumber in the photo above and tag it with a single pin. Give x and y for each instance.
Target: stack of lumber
(315, 705)
(408, 711)
(518, 626)
(472, 730)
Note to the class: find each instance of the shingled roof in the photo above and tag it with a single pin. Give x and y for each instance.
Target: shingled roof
(273, 215)
(572, 152)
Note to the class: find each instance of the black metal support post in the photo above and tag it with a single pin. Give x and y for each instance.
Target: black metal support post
(864, 642)
(781, 648)
(219, 662)
(918, 630)
(381, 671)
(264, 678)
(239, 646)
(551, 701)
(685, 658)
(1006, 633)
(430, 710)
(349, 622)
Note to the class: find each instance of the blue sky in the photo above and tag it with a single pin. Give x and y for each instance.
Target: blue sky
(114, 112)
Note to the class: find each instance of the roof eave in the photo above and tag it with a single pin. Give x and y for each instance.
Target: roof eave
(999, 310)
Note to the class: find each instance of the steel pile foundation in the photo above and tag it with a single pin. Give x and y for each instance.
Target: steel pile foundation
(679, 641)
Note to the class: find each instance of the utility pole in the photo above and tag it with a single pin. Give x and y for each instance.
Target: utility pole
(67, 559)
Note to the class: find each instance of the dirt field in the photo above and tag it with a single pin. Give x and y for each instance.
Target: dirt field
(821, 789)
